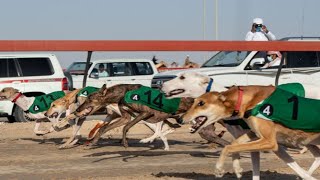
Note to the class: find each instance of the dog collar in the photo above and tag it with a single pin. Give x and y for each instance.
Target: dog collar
(239, 102)
(17, 97)
(209, 85)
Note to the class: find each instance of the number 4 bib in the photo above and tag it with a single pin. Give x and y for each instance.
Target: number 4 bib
(152, 98)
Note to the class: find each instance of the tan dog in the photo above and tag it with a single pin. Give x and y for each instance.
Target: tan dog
(212, 107)
(69, 103)
(25, 103)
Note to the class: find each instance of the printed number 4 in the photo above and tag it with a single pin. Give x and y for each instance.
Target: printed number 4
(267, 110)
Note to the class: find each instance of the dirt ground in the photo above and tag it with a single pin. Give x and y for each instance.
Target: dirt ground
(24, 155)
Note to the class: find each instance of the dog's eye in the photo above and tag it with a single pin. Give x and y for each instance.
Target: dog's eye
(182, 77)
(201, 103)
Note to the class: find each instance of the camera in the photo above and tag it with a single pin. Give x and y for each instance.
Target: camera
(258, 27)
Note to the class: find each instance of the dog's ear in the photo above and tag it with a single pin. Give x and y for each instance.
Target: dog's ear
(205, 81)
(103, 87)
(222, 97)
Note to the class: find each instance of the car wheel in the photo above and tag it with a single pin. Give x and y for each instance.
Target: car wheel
(70, 82)
(20, 116)
(11, 119)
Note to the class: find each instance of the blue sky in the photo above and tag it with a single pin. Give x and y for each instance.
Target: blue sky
(151, 20)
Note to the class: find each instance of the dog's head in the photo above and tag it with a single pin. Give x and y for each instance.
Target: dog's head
(94, 102)
(189, 84)
(207, 109)
(60, 105)
(57, 107)
(8, 93)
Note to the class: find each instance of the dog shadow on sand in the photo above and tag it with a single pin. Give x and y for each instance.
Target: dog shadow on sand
(264, 175)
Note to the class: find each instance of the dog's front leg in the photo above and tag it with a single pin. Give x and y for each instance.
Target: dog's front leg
(36, 129)
(117, 123)
(258, 145)
(140, 117)
(75, 135)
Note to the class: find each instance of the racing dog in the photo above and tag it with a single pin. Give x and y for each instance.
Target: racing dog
(69, 103)
(34, 107)
(212, 107)
(109, 97)
(193, 84)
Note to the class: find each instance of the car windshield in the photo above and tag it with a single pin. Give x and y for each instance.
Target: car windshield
(226, 58)
(77, 68)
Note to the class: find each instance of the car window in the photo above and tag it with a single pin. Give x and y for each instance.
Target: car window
(226, 58)
(121, 69)
(303, 59)
(8, 68)
(101, 70)
(142, 68)
(35, 66)
(77, 67)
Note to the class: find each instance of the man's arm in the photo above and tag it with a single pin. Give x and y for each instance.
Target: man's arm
(271, 36)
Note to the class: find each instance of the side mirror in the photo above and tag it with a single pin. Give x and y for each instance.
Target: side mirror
(257, 63)
(94, 75)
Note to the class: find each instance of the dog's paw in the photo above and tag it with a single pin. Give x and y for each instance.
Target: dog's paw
(219, 172)
(146, 140)
(166, 149)
(238, 172)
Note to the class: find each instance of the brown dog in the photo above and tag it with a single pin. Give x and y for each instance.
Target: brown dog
(110, 97)
(212, 107)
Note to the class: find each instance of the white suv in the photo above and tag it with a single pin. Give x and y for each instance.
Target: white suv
(237, 68)
(119, 71)
(32, 74)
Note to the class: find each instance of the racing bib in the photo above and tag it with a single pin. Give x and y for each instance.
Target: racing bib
(87, 91)
(42, 103)
(288, 106)
(152, 98)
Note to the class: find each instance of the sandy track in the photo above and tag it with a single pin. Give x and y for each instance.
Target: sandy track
(26, 156)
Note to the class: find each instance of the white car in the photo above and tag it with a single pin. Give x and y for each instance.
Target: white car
(33, 75)
(118, 71)
(239, 68)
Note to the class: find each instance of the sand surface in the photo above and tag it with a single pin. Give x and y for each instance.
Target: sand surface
(24, 155)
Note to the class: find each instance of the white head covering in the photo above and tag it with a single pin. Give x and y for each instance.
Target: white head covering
(257, 21)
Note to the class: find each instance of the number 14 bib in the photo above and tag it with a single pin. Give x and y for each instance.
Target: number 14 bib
(288, 106)
(152, 98)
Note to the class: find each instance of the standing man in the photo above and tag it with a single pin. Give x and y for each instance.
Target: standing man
(259, 32)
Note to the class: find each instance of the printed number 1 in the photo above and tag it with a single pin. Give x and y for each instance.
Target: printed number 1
(294, 99)
(157, 101)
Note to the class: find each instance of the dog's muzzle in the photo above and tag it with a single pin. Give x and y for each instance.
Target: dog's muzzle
(197, 123)
(174, 92)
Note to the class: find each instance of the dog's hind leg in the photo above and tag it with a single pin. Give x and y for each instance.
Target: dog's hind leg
(140, 117)
(315, 151)
(282, 154)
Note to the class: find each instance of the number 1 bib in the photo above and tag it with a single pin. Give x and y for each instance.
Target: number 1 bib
(152, 98)
(42, 103)
(288, 106)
